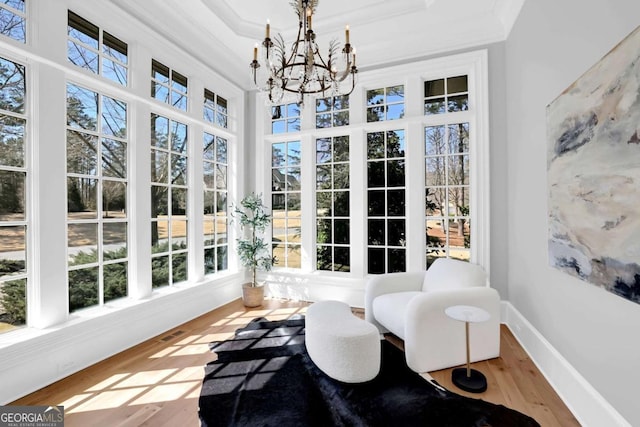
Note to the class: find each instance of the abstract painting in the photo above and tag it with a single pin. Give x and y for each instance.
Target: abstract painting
(593, 173)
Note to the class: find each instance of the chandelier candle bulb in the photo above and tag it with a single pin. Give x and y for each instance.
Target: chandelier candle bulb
(255, 52)
(268, 30)
(346, 34)
(309, 18)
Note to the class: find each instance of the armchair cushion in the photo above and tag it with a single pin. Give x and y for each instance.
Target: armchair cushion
(387, 306)
(447, 273)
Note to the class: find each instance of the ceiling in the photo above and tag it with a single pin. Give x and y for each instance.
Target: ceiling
(222, 33)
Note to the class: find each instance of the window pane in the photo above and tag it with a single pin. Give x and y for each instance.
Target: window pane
(179, 201)
(83, 288)
(12, 141)
(376, 260)
(114, 47)
(376, 202)
(375, 145)
(82, 196)
(114, 117)
(114, 158)
(341, 203)
(12, 196)
(13, 25)
(114, 237)
(115, 281)
(12, 86)
(178, 234)
(434, 106)
(434, 88)
(159, 131)
(457, 84)
(458, 103)
(114, 199)
(341, 231)
(83, 30)
(159, 237)
(178, 170)
(82, 243)
(159, 201)
(14, 303)
(13, 251)
(160, 72)
(434, 140)
(82, 108)
(159, 271)
(159, 166)
(342, 261)
(375, 97)
(82, 155)
(293, 125)
(395, 111)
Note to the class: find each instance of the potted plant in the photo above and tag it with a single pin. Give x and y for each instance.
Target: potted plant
(252, 249)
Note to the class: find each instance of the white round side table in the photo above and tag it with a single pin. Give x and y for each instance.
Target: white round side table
(468, 379)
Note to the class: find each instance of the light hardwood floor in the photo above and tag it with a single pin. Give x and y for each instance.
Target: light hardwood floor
(157, 383)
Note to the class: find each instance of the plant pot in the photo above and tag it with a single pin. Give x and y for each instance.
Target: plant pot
(252, 296)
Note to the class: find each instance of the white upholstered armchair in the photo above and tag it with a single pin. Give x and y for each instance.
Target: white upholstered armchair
(411, 306)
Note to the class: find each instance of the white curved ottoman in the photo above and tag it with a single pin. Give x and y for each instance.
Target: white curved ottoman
(343, 346)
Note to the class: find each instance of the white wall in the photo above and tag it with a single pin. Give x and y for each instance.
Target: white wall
(551, 45)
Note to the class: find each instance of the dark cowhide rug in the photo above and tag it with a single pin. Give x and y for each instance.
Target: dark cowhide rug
(264, 377)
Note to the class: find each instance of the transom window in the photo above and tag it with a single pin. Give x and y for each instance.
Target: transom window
(96, 197)
(386, 228)
(447, 188)
(285, 118)
(215, 109)
(13, 19)
(286, 203)
(13, 197)
(332, 111)
(169, 201)
(332, 204)
(385, 104)
(168, 86)
(215, 159)
(446, 95)
(95, 50)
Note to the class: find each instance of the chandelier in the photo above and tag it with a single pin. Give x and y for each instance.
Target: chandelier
(291, 73)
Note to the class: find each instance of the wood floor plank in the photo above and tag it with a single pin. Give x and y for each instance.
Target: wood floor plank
(157, 383)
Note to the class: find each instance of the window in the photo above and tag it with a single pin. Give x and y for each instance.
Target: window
(286, 203)
(169, 191)
(168, 86)
(13, 197)
(446, 95)
(95, 50)
(215, 158)
(385, 104)
(332, 204)
(96, 197)
(13, 19)
(332, 111)
(447, 189)
(386, 232)
(285, 118)
(215, 109)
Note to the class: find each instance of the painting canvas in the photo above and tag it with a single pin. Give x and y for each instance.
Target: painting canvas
(593, 162)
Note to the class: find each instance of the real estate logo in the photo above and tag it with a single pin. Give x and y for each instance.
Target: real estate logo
(31, 416)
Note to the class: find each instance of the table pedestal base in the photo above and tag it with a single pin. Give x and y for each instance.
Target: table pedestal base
(475, 383)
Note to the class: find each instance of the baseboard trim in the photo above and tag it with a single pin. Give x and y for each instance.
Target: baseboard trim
(582, 399)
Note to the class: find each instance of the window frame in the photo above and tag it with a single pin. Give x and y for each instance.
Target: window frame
(101, 55)
(100, 219)
(473, 64)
